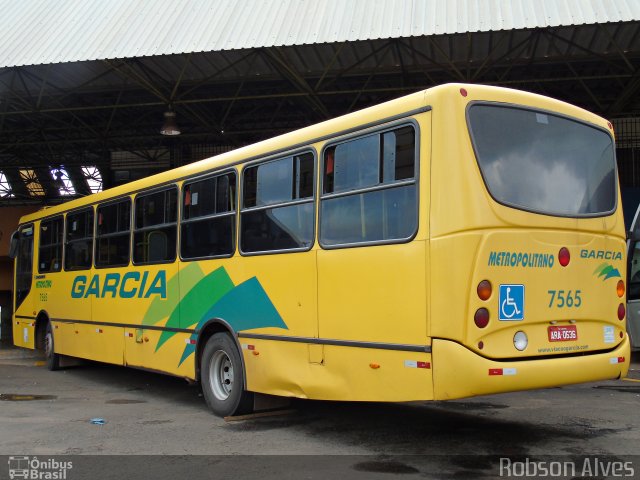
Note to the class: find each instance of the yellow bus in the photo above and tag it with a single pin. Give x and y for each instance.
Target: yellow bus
(459, 241)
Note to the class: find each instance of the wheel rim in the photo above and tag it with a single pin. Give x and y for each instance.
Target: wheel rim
(48, 345)
(221, 375)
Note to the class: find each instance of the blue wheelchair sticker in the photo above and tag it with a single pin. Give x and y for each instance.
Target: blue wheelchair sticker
(511, 302)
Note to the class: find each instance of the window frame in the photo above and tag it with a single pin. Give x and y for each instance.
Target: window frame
(134, 229)
(96, 237)
(64, 232)
(89, 208)
(521, 208)
(377, 130)
(234, 213)
(313, 200)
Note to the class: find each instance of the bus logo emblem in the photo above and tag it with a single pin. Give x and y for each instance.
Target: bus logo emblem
(511, 302)
(18, 467)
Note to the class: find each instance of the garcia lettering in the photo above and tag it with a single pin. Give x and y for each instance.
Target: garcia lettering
(113, 285)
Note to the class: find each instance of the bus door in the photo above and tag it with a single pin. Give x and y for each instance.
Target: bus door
(23, 301)
(633, 283)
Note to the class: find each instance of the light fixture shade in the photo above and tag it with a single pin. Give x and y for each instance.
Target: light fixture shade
(170, 127)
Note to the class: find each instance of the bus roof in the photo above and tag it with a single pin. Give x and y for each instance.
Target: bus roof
(387, 111)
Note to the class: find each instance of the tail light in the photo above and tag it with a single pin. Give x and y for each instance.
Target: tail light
(484, 290)
(481, 318)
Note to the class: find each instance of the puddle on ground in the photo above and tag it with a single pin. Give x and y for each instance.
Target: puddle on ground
(620, 388)
(23, 397)
(471, 405)
(124, 401)
(385, 467)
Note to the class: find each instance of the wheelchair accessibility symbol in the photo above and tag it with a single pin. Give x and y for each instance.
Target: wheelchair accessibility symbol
(511, 302)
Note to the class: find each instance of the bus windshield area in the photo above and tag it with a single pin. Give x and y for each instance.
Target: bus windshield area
(544, 163)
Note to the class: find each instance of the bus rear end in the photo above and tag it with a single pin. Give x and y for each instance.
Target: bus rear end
(527, 245)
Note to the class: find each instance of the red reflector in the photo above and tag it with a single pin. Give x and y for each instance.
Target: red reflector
(192, 342)
(251, 347)
(424, 365)
(564, 257)
(620, 359)
(495, 371)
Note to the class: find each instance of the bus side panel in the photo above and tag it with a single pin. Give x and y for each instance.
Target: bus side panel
(289, 303)
(64, 339)
(346, 373)
(141, 349)
(150, 295)
(23, 333)
(452, 264)
(85, 340)
(64, 295)
(373, 294)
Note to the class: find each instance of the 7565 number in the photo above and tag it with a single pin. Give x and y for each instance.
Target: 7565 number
(564, 298)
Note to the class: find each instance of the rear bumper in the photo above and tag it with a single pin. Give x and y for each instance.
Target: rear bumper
(459, 372)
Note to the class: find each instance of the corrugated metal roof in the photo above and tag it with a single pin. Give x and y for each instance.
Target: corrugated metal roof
(36, 32)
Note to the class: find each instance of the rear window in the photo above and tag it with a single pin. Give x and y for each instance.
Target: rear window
(544, 163)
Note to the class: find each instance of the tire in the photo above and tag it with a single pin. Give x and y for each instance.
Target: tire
(222, 377)
(52, 358)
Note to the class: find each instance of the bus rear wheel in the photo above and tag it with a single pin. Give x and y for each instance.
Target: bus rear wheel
(52, 358)
(222, 377)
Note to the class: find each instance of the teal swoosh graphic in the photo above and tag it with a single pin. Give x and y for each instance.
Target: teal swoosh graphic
(613, 273)
(245, 307)
(197, 301)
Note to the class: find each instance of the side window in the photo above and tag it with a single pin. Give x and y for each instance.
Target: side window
(78, 243)
(112, 234)
(369, 190)
(277, 205)
(50, 250)
(24, 263)
(208, 221)
(154, 237)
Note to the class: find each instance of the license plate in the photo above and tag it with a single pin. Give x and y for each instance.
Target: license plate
(559, 333)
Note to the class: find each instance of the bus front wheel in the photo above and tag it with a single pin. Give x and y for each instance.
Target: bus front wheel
(53, 359)
(222, 377)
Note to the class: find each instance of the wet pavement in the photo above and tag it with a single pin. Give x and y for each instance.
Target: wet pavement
(50, 413)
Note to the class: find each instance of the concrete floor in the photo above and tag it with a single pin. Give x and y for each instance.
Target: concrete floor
(151, 414)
